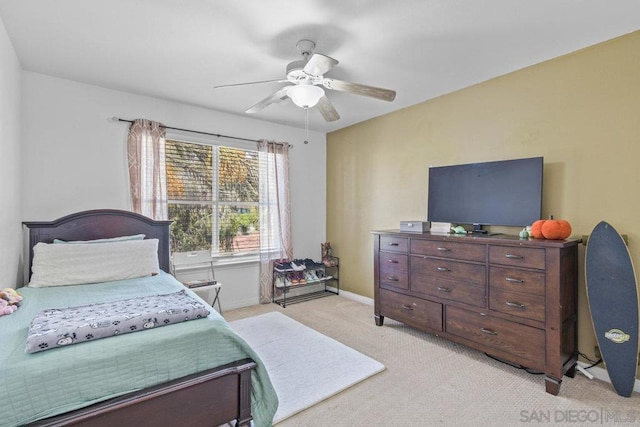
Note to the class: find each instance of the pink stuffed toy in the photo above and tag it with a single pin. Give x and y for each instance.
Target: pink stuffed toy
(9, 301)
(6, 308)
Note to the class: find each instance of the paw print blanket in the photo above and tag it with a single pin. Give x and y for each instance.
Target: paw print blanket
(57, 327)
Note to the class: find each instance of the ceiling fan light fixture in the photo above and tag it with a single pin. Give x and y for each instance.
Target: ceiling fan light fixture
(305, 96)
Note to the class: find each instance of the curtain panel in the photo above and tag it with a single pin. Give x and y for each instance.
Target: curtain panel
(275, 211)
(147, 168)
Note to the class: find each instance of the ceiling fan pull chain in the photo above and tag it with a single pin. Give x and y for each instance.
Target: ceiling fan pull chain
(306, 125)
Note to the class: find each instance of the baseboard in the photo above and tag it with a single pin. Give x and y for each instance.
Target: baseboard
(356, 297)
(232, 305)
(602, 375)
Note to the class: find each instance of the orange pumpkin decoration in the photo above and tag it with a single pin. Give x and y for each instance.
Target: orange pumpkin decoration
(536, 229)
(552, 229)
(556, 229)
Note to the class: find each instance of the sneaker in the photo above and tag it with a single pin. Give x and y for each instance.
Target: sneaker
(282, 266)
(297, 267)
(287, 281)
(279, 282)
(309, 276)
(313, 276)
(294, 279)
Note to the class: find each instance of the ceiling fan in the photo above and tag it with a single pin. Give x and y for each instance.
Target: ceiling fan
(307, 75)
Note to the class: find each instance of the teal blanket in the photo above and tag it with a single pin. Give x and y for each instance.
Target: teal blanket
(40, 385)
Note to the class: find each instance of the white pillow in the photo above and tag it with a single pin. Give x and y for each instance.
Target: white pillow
(60, 265)
(112, 239)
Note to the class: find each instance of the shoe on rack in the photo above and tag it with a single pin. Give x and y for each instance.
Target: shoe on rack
(297, 266)
(287, 281)
(282, 266)
(279, 282)
(308, 275)
(313, 276)
(301, 278)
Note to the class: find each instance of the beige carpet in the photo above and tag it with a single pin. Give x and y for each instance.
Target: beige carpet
(430, 381)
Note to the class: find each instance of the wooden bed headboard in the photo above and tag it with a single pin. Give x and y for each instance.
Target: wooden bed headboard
(100, 224)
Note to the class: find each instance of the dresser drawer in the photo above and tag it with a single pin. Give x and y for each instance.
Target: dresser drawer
(443, 249)
(513, 279)
(524, 342)
(449, 289)
(517, 304)
(394, 270)
(410, 310)
(396, 244)
(517, 256)
(449, 269)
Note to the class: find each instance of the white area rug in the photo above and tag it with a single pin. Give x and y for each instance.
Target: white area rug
(305, 366)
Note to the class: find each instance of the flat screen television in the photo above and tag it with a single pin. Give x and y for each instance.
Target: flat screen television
(506, 193)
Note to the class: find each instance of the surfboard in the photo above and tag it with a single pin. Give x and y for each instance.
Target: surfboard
(613, 301)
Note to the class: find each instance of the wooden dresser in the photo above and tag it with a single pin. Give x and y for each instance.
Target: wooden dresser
(513, 299)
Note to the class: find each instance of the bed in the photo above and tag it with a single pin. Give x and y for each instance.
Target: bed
(195, 373)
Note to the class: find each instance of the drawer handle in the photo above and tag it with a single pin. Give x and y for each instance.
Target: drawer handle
(392, 278)
(443, 269)
(394, 244)
(444, 249)
(513, 280)
(488, 331)
(393, 261)
(514, 256)
(443, 289)
(407, 307)
(515, 304)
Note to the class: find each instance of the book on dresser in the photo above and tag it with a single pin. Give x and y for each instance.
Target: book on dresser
(515, 299)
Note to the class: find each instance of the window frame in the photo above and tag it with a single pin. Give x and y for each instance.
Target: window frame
(226, 258)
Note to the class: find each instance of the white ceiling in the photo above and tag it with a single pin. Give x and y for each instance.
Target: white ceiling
(178, 49)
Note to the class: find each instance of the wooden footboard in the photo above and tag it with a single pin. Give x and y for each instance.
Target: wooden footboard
(209, 398)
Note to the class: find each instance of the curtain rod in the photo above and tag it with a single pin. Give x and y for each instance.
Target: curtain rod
(193, 131)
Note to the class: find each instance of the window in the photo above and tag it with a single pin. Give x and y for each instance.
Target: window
(213, 196)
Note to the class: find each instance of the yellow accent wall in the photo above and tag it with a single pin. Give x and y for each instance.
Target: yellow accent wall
(581, 112)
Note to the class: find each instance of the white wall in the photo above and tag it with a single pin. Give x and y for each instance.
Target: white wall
(75, 159)
(10, 214)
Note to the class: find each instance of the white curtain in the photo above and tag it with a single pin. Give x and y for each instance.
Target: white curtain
(275, 216)
(147, 168)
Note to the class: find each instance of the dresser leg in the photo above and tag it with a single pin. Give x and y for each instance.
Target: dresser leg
(552, 385)
(571, 372)
(379, 320)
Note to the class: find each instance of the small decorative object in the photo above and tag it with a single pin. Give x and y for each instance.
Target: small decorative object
(9, 301)
(536, 229)
(6, 308)
(459, 230)
(524, 234)
(552, 229)
(327, 258)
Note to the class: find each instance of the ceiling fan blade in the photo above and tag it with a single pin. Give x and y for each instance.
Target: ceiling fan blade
(360, 89)
(250, 83)
(327, 110)
(280, 95)
(319, 64)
